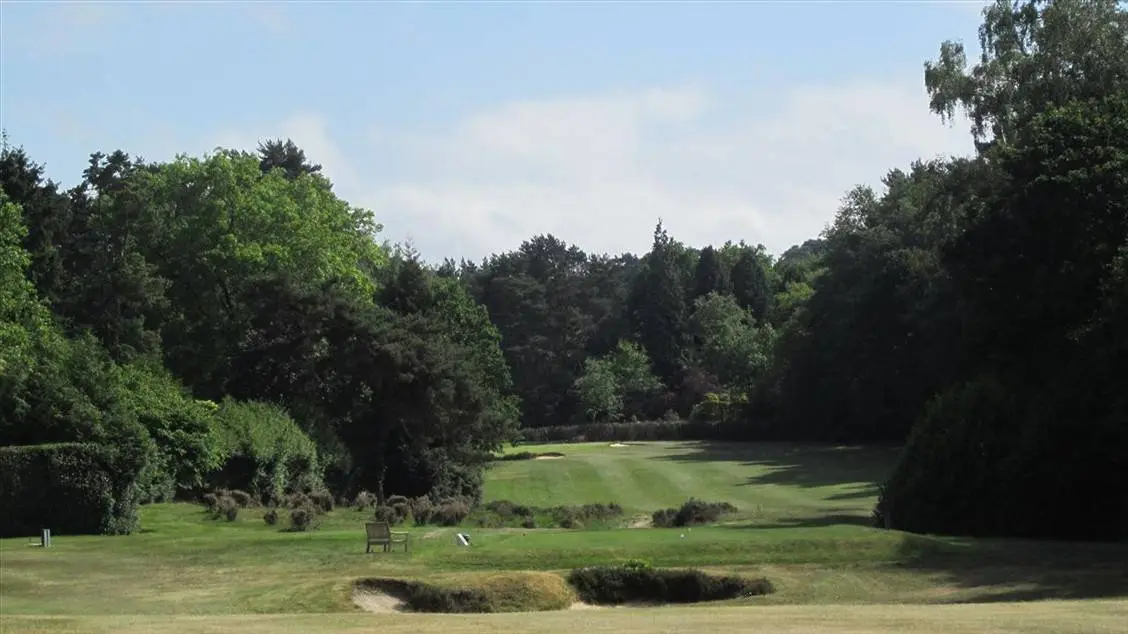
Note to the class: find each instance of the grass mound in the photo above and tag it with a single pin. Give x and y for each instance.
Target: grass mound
(639, 583)
(503, 592)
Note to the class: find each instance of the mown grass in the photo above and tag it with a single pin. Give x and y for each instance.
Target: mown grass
(184, 567)
(1052, 617)
(773, 484)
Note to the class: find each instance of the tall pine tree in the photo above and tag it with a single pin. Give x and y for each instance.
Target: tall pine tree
(750, 285)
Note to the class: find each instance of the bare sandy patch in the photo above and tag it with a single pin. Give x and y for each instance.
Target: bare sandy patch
(642, 521)
(377, 602)
(548, 457)
(580, 605)
(619, 444)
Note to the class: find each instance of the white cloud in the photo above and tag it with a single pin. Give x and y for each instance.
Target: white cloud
(599, 171)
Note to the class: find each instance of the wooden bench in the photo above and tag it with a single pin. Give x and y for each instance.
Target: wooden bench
(381, 533)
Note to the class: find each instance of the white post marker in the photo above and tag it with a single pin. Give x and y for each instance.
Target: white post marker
(461, 539)
(46, 538)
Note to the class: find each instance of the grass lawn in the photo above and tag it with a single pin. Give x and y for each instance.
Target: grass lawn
(772, 484)
(801, 525)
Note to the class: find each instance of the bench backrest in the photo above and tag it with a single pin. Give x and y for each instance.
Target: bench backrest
(378, 530)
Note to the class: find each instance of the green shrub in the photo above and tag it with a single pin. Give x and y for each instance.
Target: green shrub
(230, 510)
(578, 516)
(242, 498)
(638, 582)
(270, 517)
(323, 500)
(182, 430)
(71, 488)
(297, 500)
(503, 513)
(303, 519)
(263, 451)
(693, 512)
(951, 478)
(664, 518)
(385, 513)
(452, 511)
(421, 509)
(364, 500)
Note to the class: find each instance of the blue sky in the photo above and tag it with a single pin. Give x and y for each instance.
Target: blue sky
(468, 127)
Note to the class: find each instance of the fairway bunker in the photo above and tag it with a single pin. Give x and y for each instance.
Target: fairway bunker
(502, 592)
(634, 585)
(619, 444)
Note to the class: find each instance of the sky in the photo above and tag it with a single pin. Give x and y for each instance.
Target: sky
(468, 127)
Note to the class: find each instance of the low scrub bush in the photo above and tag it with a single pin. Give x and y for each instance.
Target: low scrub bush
(297, 500)
(637, 582)
(303, 518)
(503, 513)
(422, 510)
(323, 500)
(579, 516)
(451, 511)
(270, 517)
(385, 513)
(692, 513)
(364, 500)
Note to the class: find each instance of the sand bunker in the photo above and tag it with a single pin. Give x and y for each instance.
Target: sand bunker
(548, 457)
(376, 602)
(619, 444)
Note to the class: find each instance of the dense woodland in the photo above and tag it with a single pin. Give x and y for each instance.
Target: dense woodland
(228, 321)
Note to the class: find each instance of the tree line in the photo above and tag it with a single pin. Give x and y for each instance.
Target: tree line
(229, 321)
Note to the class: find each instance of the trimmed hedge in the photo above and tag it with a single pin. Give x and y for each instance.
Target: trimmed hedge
(70, 488)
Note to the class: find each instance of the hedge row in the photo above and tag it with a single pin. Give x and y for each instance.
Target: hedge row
(70, 488)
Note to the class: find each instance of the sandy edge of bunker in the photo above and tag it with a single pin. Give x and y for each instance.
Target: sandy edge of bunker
(376, 602)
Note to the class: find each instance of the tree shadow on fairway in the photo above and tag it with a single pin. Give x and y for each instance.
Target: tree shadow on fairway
(796, 464)
(1015, 570)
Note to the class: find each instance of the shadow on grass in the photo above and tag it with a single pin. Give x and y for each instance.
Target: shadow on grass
(996, 570)
(798, 464)
(837, 519)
